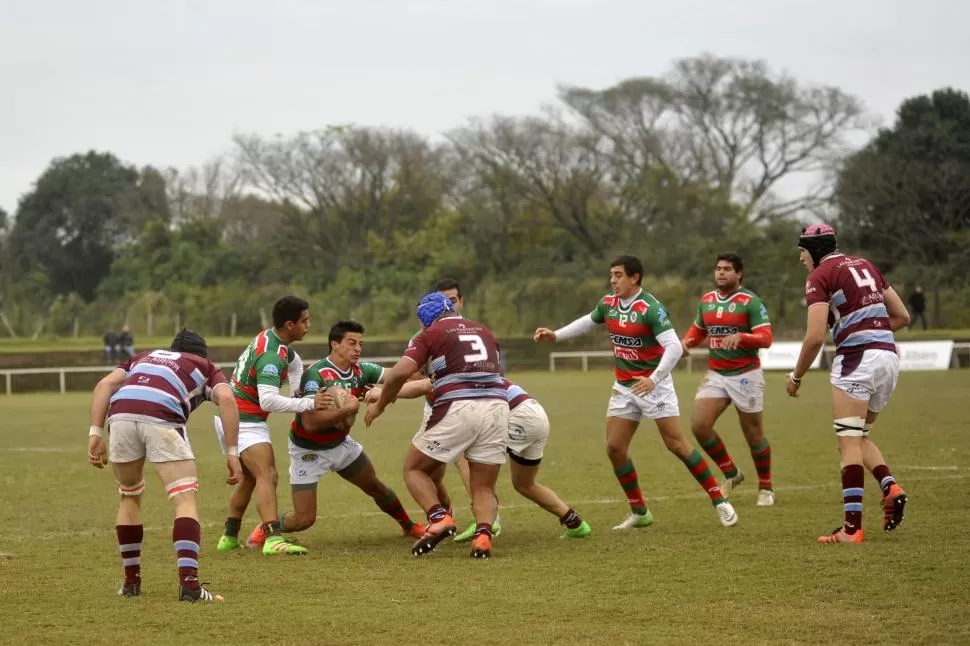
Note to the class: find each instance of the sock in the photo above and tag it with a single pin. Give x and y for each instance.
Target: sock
(483, 528)
(884, 478)
(272, 528)
(187, 534)
(571, 519)
(627, 475)
(719, 453)
(232, 527)
(446, 503)
(282, 523)
(437, 513)
(129, 542)
(391, 505)
(761, 454)
(697, 465)
(853, 481)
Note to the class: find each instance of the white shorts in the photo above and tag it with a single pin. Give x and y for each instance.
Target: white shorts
(308, 466)
(479, 429)
(659, 403)
(746, 391)
(253, 433)
(129, 441)
(874, 379)
(528, 431)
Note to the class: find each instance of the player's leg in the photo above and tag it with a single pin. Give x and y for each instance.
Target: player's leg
(182, 484)
(307, 467)
(261, 462)
(126, 452)
(849, 412)
(711, 402)
(462, 465)
(672, 434)
(357, 469)
(894, 498)
(442, 491)
(419, 470)
(622, 421)
(661, 405)
(238, 501)
(752, 425)
(489, 420)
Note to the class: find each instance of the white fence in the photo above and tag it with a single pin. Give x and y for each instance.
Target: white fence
(914, 355)
(63, 372)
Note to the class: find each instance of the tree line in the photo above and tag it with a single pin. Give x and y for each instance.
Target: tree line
(716, 154)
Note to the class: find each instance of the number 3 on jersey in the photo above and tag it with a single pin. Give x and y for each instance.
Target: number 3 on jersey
(478, 348)
(864, 279)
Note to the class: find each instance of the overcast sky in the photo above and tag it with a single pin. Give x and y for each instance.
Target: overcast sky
(168, 83)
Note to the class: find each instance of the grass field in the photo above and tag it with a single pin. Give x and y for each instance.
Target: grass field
(55, 344)
(684, 580)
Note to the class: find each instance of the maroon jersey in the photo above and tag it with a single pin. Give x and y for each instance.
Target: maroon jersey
(516, 394)
(164, 385)
(462, 357)
(853, 289)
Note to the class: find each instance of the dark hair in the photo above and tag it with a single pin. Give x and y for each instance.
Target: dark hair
(445, 284)
(191, 342)
(731, 257)
(631, 265)
(340, 330)
(288, 308)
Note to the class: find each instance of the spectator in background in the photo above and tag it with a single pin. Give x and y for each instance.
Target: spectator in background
(126, 343)
(917, 306)
(110, 340)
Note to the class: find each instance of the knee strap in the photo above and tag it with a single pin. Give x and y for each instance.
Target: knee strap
(183, 485)
(850, 427)
(132, 491)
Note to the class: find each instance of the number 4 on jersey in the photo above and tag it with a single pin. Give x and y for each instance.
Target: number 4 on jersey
(864, 279)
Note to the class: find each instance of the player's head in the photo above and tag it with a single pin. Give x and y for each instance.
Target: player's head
(291, 318)
(728, 271)
(816, 242)
(190, 342)
(450, 288)
(626, 272)
(432, 307)
(347, 340)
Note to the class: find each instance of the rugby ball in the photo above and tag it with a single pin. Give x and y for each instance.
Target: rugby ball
(341, 398)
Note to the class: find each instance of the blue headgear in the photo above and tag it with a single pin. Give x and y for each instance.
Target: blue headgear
(432, 306)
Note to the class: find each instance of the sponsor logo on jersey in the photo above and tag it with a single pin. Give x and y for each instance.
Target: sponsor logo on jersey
(764, 312)
(722, 330)
(662, 316)
(626, 341)
(271, 370)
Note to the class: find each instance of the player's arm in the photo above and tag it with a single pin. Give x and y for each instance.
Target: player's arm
(101, 397)
(321, 420)
(666, 335)
(815, 329)
(269, 368)
(579, 327)
(696, 333)
(415, 388)
(229, 416)
(760, 335)
(294, 374)
(898, 314)
(395, 379)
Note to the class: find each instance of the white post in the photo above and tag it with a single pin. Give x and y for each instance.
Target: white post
(585, 363)
(9, 391)
(63, 385)
(552, 362)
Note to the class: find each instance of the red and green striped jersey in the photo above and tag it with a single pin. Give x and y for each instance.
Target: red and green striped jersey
(264, 361)
(720, 316)
(357, 380)
(633, 331)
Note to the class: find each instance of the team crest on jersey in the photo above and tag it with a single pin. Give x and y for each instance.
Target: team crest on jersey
(309, 457)
(633, 317)
(731, 307)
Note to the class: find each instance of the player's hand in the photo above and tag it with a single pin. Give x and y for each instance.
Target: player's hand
(685, 348)
(544, 335)
(323, 401)
(373, 412)
(731, 341)
(643, 386)
(373, 395)
(792, 386)
(97, 452)
(235, 470)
